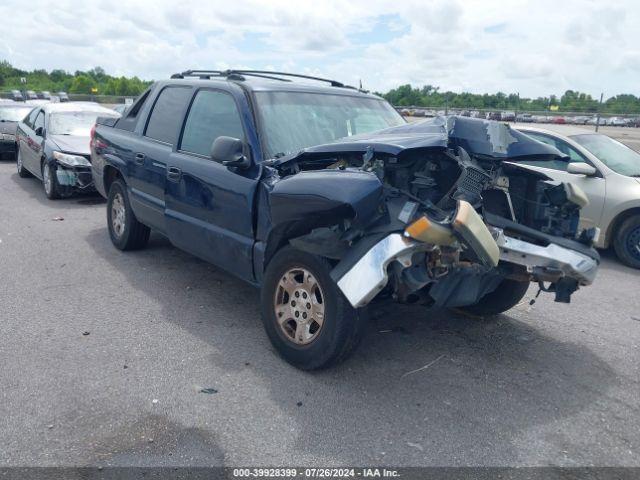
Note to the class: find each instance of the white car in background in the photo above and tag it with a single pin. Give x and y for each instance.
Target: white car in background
(608, 172)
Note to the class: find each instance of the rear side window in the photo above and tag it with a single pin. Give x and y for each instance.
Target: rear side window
(128, 122)
(166, 116)
(212, 114)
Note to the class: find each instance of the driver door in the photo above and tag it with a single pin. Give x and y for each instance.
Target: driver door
(209, 207)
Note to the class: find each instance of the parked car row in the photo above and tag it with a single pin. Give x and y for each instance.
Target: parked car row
(326, 199)
(510, 116)
(18, 96)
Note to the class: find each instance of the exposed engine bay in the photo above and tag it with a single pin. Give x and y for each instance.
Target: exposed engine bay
(437, 213)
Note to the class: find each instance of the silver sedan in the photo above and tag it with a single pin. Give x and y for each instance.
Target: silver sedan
(609, 173)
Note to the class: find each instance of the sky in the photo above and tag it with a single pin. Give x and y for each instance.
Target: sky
(535, 48)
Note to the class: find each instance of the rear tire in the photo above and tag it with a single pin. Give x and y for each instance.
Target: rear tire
(297, 284)
(22, 172)
(627, 242)
(505, 297)
(126, 232)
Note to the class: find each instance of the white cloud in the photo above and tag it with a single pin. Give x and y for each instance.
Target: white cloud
(527, 46)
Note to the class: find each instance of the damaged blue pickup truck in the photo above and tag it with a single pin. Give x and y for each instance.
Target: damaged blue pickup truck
(324, 197)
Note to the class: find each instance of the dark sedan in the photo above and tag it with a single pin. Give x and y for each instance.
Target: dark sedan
(16, 96)
(53, 145)
(10, 114)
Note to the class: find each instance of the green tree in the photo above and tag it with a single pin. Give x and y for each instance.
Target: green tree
(82, 84)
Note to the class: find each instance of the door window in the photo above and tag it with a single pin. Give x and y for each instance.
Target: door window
(31, 118)
(39, 121)
(212, 114)
(558, 163)
(166, 116)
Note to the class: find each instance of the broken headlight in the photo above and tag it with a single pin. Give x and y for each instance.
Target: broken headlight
(68, 160)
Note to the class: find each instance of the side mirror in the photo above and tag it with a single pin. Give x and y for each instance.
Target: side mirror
(39, 132)
(581, 168)
(230, 152)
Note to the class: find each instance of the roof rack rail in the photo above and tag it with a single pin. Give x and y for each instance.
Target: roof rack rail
(240, 74)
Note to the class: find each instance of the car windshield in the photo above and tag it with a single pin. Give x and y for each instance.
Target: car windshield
(13, 114)
(296, 120)
(73, 123)
(615, 155)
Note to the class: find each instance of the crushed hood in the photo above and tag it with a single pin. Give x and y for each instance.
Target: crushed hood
(72, 143)
(484, 138)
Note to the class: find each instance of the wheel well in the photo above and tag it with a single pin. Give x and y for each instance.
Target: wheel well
(615, 225)
(110, 175)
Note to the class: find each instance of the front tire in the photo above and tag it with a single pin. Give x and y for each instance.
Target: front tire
(126, 232)
(308, 320)
(505, 297)
(627, 242)
(50, 182)
(22, 172)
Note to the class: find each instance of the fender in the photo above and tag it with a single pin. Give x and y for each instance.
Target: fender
(324, 197)
(295, 205)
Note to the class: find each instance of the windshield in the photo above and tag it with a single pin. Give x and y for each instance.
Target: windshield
(73, 123)
(296, 120)
(615, 155)
(13, 114)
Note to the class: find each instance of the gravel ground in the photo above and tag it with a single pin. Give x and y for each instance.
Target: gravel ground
(105, 355)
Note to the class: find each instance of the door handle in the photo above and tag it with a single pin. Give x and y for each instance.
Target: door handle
(174, 173)
(139, 159)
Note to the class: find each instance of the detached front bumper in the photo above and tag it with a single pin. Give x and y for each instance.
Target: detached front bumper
(369, 275)
(548, 263)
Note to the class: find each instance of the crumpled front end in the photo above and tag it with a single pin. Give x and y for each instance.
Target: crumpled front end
(73, 172)
(438, 213)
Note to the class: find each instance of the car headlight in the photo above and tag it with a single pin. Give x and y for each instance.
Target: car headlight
(71, 160)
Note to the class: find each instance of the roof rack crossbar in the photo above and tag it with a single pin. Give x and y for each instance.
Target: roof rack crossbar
(224, 73)
(258, 73)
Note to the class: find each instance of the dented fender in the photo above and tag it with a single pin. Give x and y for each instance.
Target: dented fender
(324, 197)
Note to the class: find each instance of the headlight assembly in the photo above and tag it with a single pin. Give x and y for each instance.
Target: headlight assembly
(71, 160)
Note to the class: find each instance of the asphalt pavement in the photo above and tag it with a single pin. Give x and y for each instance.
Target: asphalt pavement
(157, 358)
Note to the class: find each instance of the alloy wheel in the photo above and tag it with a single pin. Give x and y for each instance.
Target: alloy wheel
(118, 215)
(47, 179)
(299, 306)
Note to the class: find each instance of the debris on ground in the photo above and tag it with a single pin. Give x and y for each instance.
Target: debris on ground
(299, 404)
(209, 391)
(154, 401)
(637, 319)
(57, 219)
(85, 333)
(49, 427)
(428, 365)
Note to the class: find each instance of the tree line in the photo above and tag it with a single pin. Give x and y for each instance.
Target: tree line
(570, 101)
(95, 81)
(98, 81)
